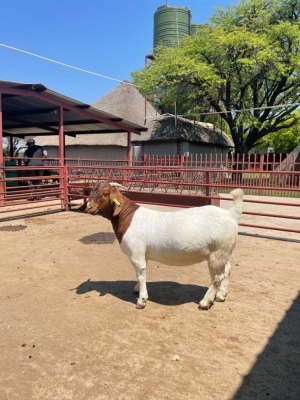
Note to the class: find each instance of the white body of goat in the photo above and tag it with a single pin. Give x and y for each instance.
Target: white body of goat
(181, 237)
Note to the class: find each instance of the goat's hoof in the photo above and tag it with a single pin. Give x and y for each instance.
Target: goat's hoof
(141, 304)
(203, 305)
(220, 296)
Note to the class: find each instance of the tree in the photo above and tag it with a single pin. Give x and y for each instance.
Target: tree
(284, 140)
(244, 66)
(10, 146)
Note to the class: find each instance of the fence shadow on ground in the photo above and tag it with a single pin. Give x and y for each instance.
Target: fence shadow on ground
(12, 228)
(276, 373)
(163, 292)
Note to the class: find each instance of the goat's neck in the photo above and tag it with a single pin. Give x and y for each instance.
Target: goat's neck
(122, 221)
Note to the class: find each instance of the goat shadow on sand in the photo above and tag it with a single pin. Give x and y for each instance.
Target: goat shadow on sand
(99, 238)
(164, 292)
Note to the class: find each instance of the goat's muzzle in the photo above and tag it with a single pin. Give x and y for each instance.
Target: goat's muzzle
(93, 210)
(86, 208)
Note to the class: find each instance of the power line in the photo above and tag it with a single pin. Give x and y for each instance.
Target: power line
(225, 112)
(64, 64)
(128, 83)
(242, 110)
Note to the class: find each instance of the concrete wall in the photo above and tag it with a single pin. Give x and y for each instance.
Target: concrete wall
(160, 148)
(91, 152)
(120, 153)
(207, 149)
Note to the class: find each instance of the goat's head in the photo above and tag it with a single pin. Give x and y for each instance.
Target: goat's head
(105, 199)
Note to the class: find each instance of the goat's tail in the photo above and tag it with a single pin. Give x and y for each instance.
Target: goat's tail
(237, 207)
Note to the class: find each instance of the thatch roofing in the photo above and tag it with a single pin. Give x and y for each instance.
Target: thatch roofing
(171, 128)
(128, 103)
(125, 101)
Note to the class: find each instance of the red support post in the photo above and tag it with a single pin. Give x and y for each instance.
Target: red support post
(63, 175)
(2, 169)
(129, 154)
(261, 171)
(207, 181)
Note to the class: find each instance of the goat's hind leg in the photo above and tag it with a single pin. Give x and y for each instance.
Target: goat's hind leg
(222, 292)
(217, 274)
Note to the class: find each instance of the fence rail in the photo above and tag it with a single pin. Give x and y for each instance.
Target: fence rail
(191, 181)
(253, 162)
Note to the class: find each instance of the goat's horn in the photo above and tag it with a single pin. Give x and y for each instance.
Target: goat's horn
(115, 184)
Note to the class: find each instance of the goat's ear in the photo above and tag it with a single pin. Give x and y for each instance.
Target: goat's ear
(116, 200)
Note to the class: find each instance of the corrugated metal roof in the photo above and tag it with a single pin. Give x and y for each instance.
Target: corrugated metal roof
(32, 110)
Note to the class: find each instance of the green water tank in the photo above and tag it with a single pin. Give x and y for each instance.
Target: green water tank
(170, 25)
(195, 29)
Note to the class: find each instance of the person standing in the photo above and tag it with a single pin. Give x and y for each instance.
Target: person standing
(34, 155)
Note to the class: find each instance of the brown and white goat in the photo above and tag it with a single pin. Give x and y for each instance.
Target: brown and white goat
(183, 237)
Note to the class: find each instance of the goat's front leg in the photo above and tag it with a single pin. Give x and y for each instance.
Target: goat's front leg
(136, 289)
(141, 286)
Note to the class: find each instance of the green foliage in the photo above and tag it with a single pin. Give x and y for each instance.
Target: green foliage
(244, 65)
(10, 146)
(284, 140)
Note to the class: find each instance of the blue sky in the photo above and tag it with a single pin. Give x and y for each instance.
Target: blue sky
(109, 38)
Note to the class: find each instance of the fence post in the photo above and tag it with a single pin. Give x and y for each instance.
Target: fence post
(64, 187)
(261, 170)
(181, 160)
(208, 182)
(238, 165)
(2, 163)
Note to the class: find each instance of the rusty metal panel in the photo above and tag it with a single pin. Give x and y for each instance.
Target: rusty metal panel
(169, 199)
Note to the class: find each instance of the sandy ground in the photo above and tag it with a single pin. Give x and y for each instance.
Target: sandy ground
(69, 328)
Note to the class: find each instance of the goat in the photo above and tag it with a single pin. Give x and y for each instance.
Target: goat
(183, 237)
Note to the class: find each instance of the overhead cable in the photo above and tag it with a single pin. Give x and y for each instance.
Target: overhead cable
(63, 64)
(128, 83)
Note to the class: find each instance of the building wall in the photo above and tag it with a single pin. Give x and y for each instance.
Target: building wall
(175, 148)
(120, 153)
(160, 148)
(207, 149)
(91, 152)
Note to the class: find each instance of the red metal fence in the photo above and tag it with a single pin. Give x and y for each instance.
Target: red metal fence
(253, 162)
(194, 181)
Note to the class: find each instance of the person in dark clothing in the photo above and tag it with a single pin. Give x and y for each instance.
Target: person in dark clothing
(34, 155)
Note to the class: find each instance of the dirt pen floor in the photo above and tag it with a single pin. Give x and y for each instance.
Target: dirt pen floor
(69, 328)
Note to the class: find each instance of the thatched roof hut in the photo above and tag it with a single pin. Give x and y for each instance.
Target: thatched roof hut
(166, 128)
(125, 101)
(128, 103)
